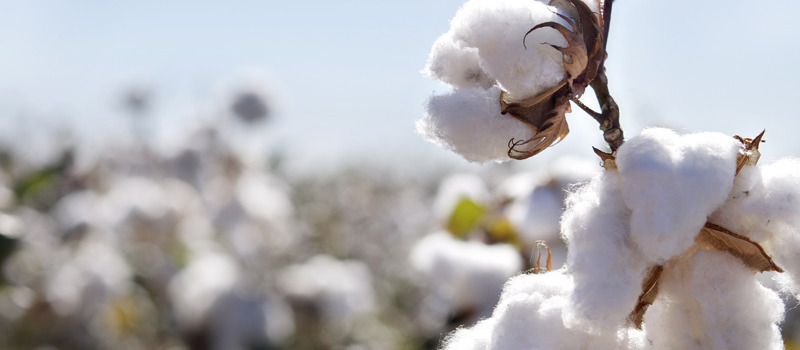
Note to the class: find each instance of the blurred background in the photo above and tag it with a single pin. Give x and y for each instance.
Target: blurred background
(245, 174)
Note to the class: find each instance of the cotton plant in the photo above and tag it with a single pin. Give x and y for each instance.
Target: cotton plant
(664, 245)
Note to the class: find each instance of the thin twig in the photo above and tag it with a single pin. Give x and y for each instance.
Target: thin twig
(597, 116)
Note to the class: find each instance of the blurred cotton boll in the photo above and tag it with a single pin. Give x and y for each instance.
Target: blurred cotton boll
(466, 276)
(341, 289)
(90, 276)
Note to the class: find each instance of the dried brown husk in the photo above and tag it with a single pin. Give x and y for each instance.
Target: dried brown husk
(749, 252)
(749, 154)
(547, 118)
(545, 113)
(648, 296)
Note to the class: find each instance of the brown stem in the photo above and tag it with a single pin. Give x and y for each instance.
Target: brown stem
(609, 124)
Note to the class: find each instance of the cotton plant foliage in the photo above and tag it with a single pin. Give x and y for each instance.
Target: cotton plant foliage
(618, 228)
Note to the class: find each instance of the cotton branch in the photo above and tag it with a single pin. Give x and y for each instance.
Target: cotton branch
(609, 117)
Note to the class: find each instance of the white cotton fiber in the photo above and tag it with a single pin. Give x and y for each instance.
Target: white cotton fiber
(468, 122)
(604, 263)
(473, 338)
(529, 317)
(496, 28)
(672, 183)
(469, 274)
(769, 212)
(456, 65)
(711, 301)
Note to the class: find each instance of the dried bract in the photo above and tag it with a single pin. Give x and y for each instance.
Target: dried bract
(582, 58)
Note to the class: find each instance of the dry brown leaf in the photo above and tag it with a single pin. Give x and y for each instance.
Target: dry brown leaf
(749, 154)
(648, 296)
(546, 117)
(751, 253)
(609, 161)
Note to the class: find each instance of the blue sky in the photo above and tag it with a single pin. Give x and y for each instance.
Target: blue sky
(347, 71)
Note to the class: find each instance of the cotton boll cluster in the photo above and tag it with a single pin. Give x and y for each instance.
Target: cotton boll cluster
(198, 243)
(482, 55)
(644, 213)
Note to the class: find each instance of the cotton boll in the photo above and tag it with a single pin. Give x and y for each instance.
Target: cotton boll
(711, 301)
(530, 316)
(341, 289)
(473, 338)
(456, 65)
(605, 264)
(264, 197)
(468, 122)
(497, 28)
(468, 274)
(194, 290)
(772, 204)
(94, 273)
(771, 211)
(537, 215)
(672, 183)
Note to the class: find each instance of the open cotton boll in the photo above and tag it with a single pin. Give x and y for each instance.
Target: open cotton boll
(529, 316)
(195, 289)
(605, 264)
(496, 29)
(711, 301)
(672, 183)
(469, 274)
(456, 65)
(468, 122)
(770, 212)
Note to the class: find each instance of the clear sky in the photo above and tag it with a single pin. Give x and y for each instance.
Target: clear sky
(347, 71)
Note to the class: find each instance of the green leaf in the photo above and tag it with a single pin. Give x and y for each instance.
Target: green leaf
(465, 217)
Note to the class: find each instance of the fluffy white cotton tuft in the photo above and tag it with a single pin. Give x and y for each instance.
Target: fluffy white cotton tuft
(497, 28)
(766, 208)
(529, 316)
(711, 301)
(469, 274)
(673, 183)
(456, 65)
(606, 266)
(468, 122)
